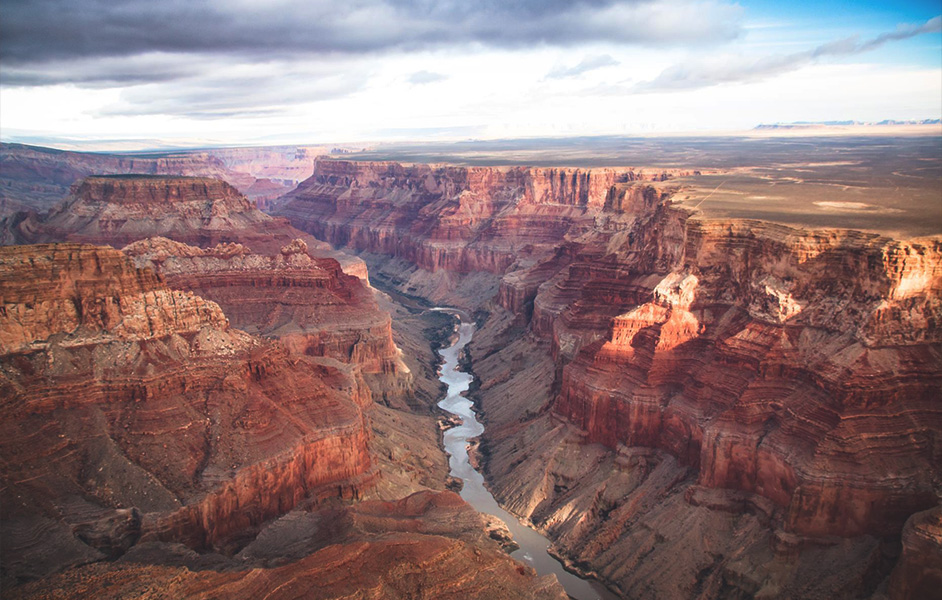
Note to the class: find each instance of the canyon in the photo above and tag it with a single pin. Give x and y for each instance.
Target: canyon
(148, 436)
(199, 396)
(687, 406)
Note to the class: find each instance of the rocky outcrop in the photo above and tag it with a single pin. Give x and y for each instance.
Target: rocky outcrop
(919, 572)
(776, 362)
(134, 412)
(309, 303)
(425, 546)
(270, 278)
(118, 210)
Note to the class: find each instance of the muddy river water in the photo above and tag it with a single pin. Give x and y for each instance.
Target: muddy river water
(532, 544)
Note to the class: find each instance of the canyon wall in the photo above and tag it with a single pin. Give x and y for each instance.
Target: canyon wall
(270, 278)
(309, 303)
(149, 448)
(134, 411)
(688, 406)
(450, 220)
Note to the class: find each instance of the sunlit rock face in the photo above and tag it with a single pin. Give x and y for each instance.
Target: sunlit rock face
(134, 412)
(779, 362)
(789, 378)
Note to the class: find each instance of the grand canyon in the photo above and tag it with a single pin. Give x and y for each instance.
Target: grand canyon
(213, 392)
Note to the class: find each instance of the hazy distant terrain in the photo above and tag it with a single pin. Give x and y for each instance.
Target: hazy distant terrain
(892, 185)
(888, 184)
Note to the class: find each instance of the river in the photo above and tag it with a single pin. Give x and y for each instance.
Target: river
(532, 544)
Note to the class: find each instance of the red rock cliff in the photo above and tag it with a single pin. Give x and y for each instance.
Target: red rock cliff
(775, 361)
(133, 410)
(461, 219)
(308, 302)
(263, 285)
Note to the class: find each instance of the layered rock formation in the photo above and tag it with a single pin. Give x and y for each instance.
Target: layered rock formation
(690, 407)
(134, 412)
(170, 454)
(117, 210)
(447, 221)
(270, 278)
(790, 378)
(309, 303)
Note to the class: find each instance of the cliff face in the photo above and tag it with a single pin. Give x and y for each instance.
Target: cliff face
(787, 377)
(775, 362)
(134, 412)
(308, 302)
(117, 210)
(451, 219)
(270, 278)
(775, 388)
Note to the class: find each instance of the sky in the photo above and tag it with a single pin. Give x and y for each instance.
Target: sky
(247, 72)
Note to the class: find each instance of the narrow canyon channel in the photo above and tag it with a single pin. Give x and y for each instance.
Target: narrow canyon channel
(533, 545)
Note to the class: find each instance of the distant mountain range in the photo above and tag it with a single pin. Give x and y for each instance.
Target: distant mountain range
(800, 124)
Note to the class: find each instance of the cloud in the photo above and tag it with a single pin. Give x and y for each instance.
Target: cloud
(46, 30)
(701, 73)
(423, 77)
(227, 89)
(589, 63)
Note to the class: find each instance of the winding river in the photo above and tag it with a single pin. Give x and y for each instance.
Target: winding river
(533, 545)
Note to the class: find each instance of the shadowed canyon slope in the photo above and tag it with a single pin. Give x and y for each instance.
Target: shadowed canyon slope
(134, 411)
(172, 454)
(690, 407)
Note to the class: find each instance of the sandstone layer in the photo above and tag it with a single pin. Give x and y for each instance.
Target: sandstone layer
(439, 222)
(768, 398)
(269, 277)
(117, 210)
(690, 407)
(308, 302)
(133, 412)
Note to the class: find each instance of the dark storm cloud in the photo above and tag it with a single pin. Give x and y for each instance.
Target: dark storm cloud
(43, 30)
(700, 74)
(589, 63)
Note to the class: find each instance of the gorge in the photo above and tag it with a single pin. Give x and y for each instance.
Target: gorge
(685, 405)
